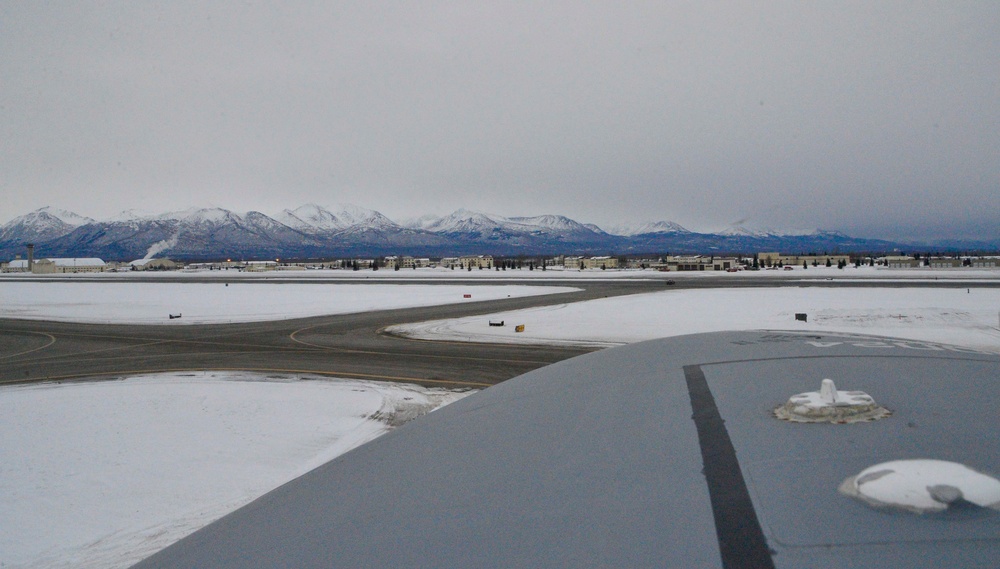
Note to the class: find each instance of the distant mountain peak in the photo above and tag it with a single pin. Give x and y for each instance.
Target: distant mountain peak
(740, 230)
(313, 218)
(210, 214)
(422, 222)
(41, 225)
(65, 216)
(548, 220)
(354, 215)
(647, 227)
(463, 221)
(827, 233)
(48, 215)
(130, 215)
(309, 217)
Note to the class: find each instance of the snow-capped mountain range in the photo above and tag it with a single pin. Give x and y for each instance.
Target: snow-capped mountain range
(312, 231)
(42, 225)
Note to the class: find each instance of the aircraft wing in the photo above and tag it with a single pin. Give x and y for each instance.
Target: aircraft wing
(666, 453)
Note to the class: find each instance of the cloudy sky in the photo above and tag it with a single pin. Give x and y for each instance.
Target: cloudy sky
(874, 118)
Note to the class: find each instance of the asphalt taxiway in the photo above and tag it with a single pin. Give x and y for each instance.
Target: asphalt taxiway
(349, 345)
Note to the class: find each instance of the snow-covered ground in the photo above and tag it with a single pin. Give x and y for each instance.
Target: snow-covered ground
(212, 303)
(968, 317)
(103, 474)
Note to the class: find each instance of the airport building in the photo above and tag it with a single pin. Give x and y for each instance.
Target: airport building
(259, 266)
(406, 262)
(153, 265)
(476, 262)
(943, 263)
(772, 259)
(900, 261)
(590, 262)
(907, 262)
(701, 263)
(16, 266)
(985, 263)
(57, 265)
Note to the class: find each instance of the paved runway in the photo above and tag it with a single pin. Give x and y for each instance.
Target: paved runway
(348, 346)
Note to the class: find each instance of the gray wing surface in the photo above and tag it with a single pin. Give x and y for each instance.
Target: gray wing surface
(660, 454)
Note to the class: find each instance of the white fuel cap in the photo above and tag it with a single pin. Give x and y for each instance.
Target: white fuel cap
(831, 406)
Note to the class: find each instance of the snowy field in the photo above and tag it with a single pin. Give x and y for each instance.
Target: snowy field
(968, 317)
(147, 302)
(104, 474)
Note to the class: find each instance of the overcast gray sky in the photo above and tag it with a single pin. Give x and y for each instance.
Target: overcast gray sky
(874, 118)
